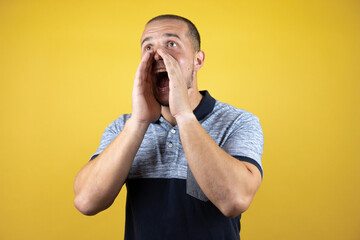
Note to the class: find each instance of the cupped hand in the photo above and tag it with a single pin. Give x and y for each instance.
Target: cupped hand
(145, 108)
(178, 97)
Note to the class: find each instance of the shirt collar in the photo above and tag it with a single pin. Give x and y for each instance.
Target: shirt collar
(205, 107)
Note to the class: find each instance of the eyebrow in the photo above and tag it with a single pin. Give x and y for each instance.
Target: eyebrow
(164, 35)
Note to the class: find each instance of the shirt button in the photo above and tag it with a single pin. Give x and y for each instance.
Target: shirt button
(170, 145)
(173, 131)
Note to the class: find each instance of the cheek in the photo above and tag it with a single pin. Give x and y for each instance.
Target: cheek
(182, 60)
(186, 64)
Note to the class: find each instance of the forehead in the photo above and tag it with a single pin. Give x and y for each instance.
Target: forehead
(158, 28)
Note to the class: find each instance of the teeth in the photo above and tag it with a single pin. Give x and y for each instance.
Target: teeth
(160, 70)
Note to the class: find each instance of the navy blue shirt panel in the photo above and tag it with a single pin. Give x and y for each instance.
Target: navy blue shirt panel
(158, 208)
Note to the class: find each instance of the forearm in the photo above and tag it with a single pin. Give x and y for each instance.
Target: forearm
(100, 180)
(227, 182)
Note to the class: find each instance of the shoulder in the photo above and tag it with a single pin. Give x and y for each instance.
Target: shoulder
(241, 131)
(118, 124)
(228, 113)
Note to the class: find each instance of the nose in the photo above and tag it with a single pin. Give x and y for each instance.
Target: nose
(157, 56)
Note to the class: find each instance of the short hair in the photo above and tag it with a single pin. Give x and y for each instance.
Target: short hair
(193, 32)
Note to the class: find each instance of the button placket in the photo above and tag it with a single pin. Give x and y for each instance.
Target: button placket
(171, 136)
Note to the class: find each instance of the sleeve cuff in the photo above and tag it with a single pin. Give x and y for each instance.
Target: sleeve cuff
(252, 161)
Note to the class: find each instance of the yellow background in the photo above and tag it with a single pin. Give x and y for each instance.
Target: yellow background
(66, 71)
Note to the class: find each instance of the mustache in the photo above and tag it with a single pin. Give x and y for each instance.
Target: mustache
(158, 64)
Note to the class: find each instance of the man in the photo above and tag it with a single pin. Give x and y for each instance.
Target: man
(191, 164)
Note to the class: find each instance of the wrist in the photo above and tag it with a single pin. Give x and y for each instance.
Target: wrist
(138, 123)
(184, 118)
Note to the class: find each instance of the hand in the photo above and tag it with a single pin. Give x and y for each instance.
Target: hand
(145, 108)
(178, 96)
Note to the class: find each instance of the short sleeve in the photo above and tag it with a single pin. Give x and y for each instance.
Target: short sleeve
(246, 140)
(110, 133)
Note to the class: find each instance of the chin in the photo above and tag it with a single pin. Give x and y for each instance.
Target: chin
(163, 100)
(163, 103)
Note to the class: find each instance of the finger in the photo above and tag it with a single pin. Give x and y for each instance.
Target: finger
(144, 65)
(150, 60)
(169, 61)
(146, 59)
(149, 64)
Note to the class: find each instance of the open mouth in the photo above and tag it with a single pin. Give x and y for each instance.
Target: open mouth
(162, 79)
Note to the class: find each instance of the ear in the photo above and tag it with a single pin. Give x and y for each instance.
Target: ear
(199, 60)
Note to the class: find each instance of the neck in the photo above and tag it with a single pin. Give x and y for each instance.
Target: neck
(194, 99)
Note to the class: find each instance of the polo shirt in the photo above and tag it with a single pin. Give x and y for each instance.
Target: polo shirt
(164, 201)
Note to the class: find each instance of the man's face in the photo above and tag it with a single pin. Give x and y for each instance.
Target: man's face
(172, 37)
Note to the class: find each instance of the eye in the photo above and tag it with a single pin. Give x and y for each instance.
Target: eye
(148, 48)
(171, 44)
